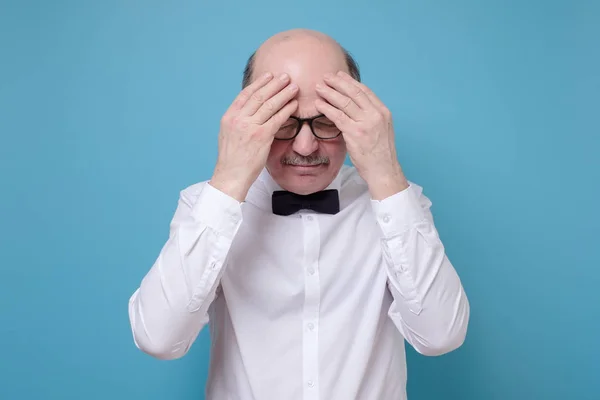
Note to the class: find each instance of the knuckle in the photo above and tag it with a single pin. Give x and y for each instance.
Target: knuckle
(227, 119)
(244, 125)
(256, 134)
(244, 95)
(357, 93)
(281, 119)
(240, 123)
(383, 116)
(259, 131)
(278, 119)
(258, 97)
(242, 98)
(269, 105)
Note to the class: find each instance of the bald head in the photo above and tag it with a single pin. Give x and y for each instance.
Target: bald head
(299, 48)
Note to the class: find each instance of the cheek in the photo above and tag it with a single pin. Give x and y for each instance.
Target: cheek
(335, 150)
(276, 153)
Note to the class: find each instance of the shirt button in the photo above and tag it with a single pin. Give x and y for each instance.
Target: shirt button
(309, 218)
(310, 383)
(386, 218)
(311, 326)
(311, 271)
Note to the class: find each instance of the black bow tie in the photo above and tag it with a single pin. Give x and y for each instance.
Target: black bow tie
(287, 203)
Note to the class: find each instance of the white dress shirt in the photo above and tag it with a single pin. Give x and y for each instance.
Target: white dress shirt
(307, 306)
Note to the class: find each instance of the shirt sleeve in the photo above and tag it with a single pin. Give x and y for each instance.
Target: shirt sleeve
(170, 307)
(430, 307)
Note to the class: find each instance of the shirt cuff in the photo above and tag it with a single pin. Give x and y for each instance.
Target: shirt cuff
(218, 211)
(398, 213)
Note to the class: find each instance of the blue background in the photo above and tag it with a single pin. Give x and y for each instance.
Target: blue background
(109, 108)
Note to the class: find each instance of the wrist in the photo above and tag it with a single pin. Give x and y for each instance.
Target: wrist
(387, 184)
(234, 188)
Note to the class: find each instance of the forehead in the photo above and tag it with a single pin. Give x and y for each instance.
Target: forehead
(306, 62)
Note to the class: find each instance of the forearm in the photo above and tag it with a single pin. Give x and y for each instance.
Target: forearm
(430, 307)
(170, 307)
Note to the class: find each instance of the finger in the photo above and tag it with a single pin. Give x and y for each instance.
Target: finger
(337, 116)
(368, 92)
(339, 101)
(275, 103)
(281, 116)
(348, 89)
(247, 92)
(259, 97)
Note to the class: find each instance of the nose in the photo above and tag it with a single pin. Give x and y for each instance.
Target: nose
(305, 143)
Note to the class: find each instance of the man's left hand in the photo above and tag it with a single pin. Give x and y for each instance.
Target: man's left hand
(368, 131)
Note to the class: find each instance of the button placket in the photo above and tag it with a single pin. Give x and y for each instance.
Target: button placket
(312, 299)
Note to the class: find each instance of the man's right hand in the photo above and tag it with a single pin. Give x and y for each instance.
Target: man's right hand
(247, 131)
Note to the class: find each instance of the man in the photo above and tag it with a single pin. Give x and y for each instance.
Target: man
(310, 273)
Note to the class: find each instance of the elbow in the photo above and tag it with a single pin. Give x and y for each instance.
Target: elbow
(160, 350)
(159, 345)
(443, 344)
(449, 337)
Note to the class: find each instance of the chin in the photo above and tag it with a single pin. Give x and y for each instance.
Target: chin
(305, 180)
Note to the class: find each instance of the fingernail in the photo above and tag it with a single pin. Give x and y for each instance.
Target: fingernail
(293, 87)
(329, 75)
(340, 73)
(268, 75)
(319, 86)
(284, 77)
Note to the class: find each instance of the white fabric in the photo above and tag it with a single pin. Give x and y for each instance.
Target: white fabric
(307, 306)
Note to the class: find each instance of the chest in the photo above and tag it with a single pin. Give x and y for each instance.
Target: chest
(276, 262)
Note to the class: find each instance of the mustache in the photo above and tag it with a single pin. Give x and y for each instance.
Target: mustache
(299, 160)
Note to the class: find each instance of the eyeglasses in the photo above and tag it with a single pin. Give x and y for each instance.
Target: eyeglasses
(320, 126)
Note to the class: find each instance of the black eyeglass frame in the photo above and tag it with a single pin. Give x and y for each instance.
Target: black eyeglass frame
(310, 121)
